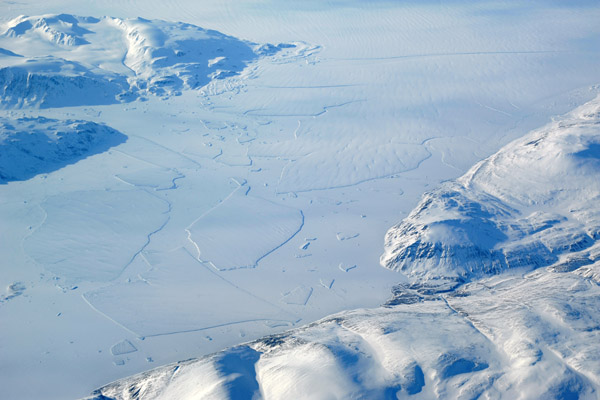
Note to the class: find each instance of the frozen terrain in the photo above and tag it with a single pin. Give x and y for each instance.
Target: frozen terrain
(180, 177)
(530, 205)
(33, 146)
(512, 336)
(69, 61)
(506, 333)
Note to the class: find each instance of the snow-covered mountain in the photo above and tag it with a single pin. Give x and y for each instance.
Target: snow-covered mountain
(531, 205)
(173, 185)
(513, 330)
(65, 60)
(507, 337)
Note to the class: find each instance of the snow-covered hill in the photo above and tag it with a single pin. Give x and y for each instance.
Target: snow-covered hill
(506, 337)
(532, 204)
(31, 146)
(515, 334)
(65, 60)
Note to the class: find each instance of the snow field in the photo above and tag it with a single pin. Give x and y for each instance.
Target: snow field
(452, 84)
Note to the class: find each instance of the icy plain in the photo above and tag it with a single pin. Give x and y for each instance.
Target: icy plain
(251, 158)
(502, 303)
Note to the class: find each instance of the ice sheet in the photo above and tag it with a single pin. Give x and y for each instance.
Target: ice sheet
(243, 230)
(93, 236)
(180, 294)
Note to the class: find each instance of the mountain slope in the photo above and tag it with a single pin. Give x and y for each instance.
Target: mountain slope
(504, 337)
(65, 60)
(529, 205)
(31, 146)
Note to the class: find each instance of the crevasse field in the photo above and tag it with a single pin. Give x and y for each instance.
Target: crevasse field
(301, 199)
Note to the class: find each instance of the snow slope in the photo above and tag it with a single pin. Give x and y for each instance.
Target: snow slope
(32, 146)
(506, 337)
(529, 205)
(65, 60)
(514, 334)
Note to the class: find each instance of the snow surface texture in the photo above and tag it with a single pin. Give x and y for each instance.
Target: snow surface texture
(512, 335)
(179, 295)
(338, 136)
(221, 236)
(67, 60)
(529, 205)
(32, 146)
(77, 245)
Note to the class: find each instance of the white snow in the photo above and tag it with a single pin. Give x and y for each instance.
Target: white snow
(242, 230)
(506, 337)
(68, 61)
(94, 235)
(33, 146)
(351, 164)
(328, 117)
(511, 335)
(180, 294)
(529, 205)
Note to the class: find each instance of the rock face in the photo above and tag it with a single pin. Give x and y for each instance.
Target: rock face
(532, 204)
